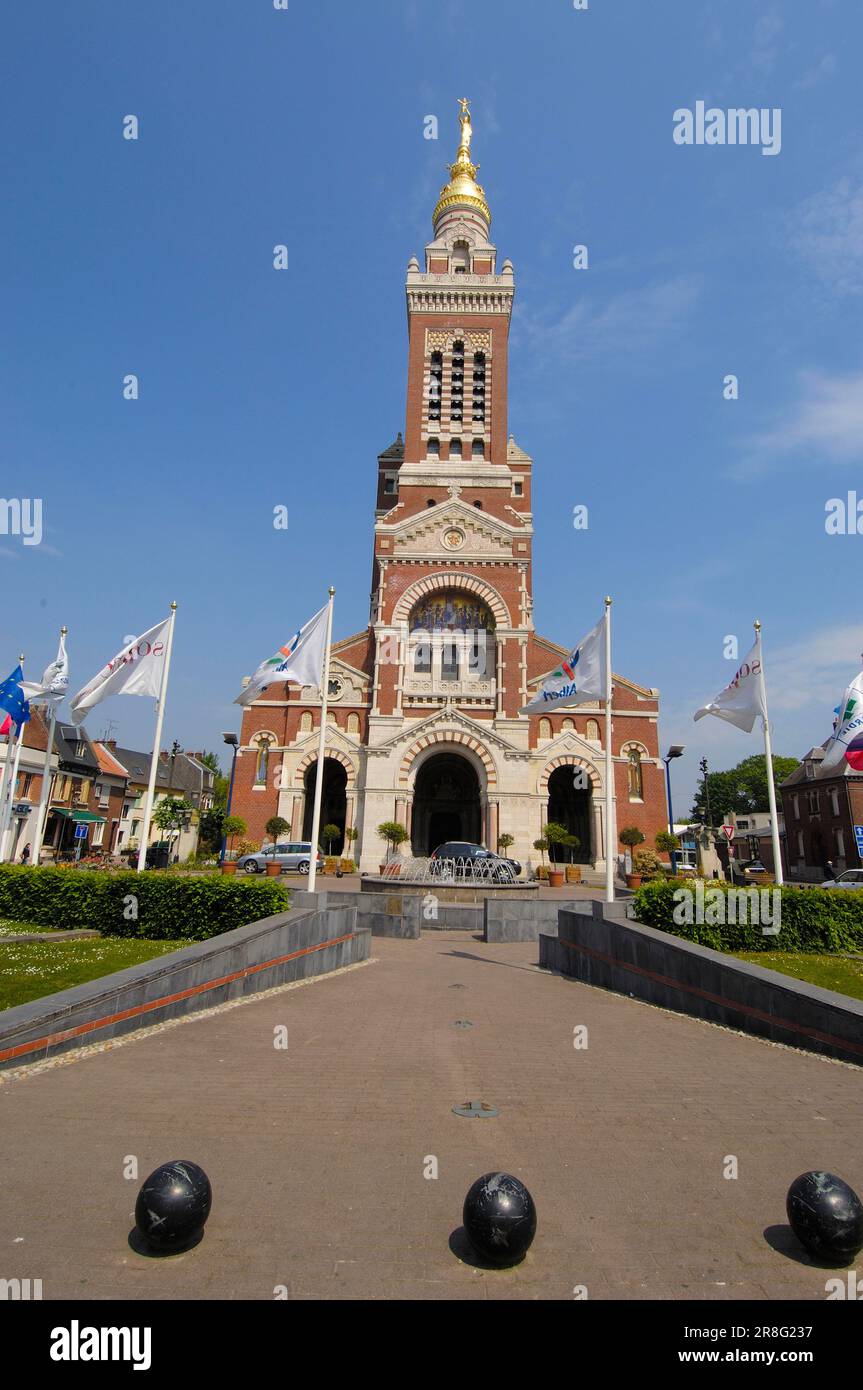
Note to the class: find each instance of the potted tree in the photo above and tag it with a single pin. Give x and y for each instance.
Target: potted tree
(631, 836)
(394, 835)
(669, 844)
(504, 842)
(275, 827)
(330, 833)
(573, 871)
(557, 836)
(348, 865)
(542, 845)
(232, 826)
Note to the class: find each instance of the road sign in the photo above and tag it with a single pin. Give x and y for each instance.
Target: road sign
(728, 831)
(858, 835)
(81, 832)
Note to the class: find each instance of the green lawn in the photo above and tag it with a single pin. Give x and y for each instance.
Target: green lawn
(8, 928)
(830, 972)
(32, 969)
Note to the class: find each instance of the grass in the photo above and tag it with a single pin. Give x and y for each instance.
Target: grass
(33, 969)
(838, 973)
(8, 928)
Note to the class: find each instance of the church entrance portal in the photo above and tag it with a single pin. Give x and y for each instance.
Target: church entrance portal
(446, 803)
(571, 807)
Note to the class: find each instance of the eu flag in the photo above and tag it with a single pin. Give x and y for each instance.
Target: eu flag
(12, 697)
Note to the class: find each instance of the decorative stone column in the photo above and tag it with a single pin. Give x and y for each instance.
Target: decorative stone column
(493, 816)
(297, 817)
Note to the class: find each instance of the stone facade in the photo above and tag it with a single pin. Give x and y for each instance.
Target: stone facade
(423, 719)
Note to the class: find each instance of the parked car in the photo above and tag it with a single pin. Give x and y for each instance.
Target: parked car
(458, 859)
(852, 878)
(291, 855)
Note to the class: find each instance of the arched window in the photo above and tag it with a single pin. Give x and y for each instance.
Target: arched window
(545, 728)
(265, 743)
(479, 386)
(461, 258)
(435, 384)
(635, 780)
(456, 408)
(478, 450)
(592, 731)
(568, 724)
(306, 725)
(433, 448)
(455, 448)
(353, 723)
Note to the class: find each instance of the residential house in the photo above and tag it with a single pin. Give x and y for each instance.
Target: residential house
(823, 810)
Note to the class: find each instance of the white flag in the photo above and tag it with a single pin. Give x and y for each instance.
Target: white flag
(55, 680)
(136, 670)
(742, 700)
(301, 660)
(581, 677)
(846, 740)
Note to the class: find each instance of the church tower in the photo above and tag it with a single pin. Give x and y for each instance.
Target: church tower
(423, 722)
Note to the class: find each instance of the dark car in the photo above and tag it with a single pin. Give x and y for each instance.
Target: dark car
(459, 859)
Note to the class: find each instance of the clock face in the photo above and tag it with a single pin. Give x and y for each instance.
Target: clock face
(453, 538)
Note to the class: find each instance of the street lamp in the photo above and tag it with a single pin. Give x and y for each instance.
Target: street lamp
(232, 742)
(676, 750)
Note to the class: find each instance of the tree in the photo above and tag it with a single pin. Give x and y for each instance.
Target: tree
(231, 826)
(330, 832)
(275, 827)
(504, 841)
(741, 789)
(542, 846)
(556, 836)
(631, 836)
(210, 829)
(393, 833)
(220, 782)
(171, 813)
(666, 843)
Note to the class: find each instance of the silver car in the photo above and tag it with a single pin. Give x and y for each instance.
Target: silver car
(852, 878)
(291, 855)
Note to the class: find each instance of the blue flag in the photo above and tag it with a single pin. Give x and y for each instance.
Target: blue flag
(12, 697)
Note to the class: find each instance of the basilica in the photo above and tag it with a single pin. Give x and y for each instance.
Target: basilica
(423, 722)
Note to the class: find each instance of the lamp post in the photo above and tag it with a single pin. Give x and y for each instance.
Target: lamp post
(676, 750)
(232, 742)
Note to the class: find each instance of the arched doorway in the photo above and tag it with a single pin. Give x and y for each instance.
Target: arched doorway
(570, 805)
(334, 802)
(446, 803)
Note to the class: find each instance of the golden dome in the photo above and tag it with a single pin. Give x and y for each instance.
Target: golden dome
(462, 189)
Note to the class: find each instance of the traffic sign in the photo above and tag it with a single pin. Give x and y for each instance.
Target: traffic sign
(728, 831)
(858, 835)
(81, 831)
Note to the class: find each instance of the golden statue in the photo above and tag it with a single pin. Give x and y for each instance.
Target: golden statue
(463, 188)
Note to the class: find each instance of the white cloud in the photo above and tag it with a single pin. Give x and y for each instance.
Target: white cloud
(633, 322)
(827, 230)
(825, 68)
(826, 422)
(814, 671)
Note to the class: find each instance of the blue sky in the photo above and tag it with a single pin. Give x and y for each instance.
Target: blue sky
(260, 388)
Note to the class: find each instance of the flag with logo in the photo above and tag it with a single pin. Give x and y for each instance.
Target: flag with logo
(55, 680)
(301, 660)
(742, 700)
(846, 740)
(136, 669)
(13, 697)
(581, 677)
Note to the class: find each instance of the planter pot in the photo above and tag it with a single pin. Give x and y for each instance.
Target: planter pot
(273, 870)
(229, 867)
(542, 871)
(391, 870)
(347, 866)
(573, 873)
(555, 878)
(633, 880)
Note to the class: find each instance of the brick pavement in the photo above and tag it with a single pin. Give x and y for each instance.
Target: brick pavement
(316, 1154)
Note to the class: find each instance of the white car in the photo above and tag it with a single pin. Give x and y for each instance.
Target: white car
(852, 878)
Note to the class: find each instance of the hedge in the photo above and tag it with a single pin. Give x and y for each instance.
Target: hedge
(151, 904)
(810, 919)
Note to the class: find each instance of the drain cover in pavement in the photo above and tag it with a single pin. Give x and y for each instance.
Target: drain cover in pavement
(463, 1023)
(476, 1110)
(456, 986)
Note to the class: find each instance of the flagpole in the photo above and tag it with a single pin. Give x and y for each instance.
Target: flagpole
(154, 761)
(610, 836)
(771, 790)
(10, 776)
(319, 775)
(42, 812)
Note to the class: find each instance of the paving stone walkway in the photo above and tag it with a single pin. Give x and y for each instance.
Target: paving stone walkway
(317, 1153)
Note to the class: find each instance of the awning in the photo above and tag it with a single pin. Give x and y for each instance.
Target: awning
(80, 817)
